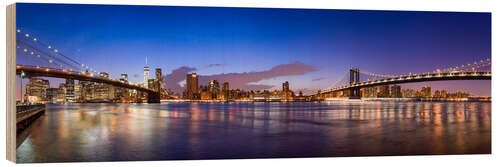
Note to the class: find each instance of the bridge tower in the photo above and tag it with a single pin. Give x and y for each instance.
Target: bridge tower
(354, 93)
(153, 97)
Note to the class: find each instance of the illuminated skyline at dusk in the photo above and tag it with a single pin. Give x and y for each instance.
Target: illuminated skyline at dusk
(255, 48)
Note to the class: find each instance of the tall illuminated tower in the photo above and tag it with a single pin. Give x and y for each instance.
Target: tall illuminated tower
(146, 74)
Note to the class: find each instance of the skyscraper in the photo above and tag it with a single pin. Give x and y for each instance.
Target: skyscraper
(396, 91)
(158, 73)
(191, 85)
(146, 76)
(286, 87)
(214, 88)
(225, 87)
(225, 90)
(384, 91)
(52, 94)
(104, 91)
(36, 89)
(159, 78)
(286, 91)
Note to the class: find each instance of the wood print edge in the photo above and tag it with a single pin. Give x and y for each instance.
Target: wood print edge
(11, 82)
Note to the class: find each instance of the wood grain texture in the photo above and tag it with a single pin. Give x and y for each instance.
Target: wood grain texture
(11, 83)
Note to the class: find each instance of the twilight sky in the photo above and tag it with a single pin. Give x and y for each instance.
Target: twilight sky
(259, 48)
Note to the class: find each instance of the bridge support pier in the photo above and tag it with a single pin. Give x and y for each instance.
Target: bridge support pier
(354, 93)
(153, 97)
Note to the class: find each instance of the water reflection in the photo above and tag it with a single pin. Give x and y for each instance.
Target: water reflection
(109, 132)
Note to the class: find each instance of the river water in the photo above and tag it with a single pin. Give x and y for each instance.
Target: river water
(185, 131)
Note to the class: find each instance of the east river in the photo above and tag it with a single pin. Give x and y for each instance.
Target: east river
(186, 131)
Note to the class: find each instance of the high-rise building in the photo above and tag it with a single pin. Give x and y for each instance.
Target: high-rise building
(158, 73)
(369, 92)
(444, 94)
(225, 90)
(286, 90)
(396, 91)
(191, 86)
(161, 82)
(384, 91)
(154, 84)
(61, 95)
(52, 94)
(286, 87)
(225, 87)
(36, 90)
(87, 90)
(146, 76)
(214, 88)
(104, 91)
(408, 93)
(69, 91)
(78, 92)
(426, 92)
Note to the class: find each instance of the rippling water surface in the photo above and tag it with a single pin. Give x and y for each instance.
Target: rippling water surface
(179, 131)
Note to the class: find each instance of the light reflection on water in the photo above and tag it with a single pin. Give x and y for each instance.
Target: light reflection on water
(111, 132)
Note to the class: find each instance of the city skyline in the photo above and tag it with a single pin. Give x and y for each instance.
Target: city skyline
(313, 54)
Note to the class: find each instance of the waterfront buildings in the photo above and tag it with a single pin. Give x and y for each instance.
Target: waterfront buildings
(383, 91)
(36, 89)
(426, 92)
(396, 91)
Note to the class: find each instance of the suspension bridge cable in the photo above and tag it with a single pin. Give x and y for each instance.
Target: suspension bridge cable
(47, 54)
(85, 67)
(26, 50)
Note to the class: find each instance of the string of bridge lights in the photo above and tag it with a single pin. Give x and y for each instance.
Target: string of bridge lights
(30, 52)
(473, 66)
(460, 68)
(47, 54)
(51, 48)
(34, 53)
(377, 75)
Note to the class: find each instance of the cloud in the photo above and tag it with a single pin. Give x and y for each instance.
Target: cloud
(214, 65)
(172, 80)
(305, 91)
(318, 79)
(243, 80)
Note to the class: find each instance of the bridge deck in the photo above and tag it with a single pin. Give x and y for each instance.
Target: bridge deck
(416, 78)
(58, 73)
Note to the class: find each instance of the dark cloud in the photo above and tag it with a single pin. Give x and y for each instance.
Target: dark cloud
(318, 79)
(214, 65)
(305, 91)
(243, 80)
(172, 80)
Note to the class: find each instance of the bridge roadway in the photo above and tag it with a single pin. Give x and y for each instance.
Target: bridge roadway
(153, 96)
(415, 78)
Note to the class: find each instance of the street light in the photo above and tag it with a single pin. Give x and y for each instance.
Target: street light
(22, 76)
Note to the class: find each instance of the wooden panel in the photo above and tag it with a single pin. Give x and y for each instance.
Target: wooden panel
(11, 83)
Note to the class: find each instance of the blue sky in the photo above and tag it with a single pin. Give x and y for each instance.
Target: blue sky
(117, 39)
